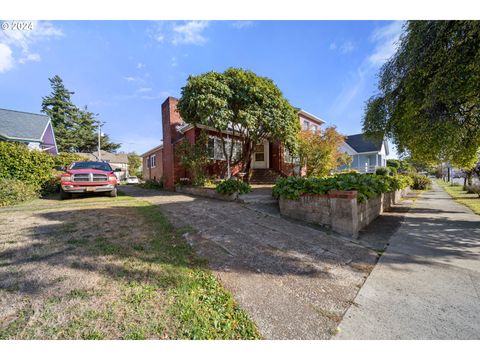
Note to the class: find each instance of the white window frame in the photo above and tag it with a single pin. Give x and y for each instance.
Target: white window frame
(153, 161)
(218, 151)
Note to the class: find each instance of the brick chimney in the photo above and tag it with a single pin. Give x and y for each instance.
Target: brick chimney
(170, 120)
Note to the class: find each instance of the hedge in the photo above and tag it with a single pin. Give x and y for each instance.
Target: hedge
(33, 167)
(366, 185)
(13, 191)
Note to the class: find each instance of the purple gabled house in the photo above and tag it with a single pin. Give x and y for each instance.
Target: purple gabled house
(34, 130)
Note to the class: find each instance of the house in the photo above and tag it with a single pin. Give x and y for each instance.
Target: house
(367, 154)
(116, 161)
(34, 130)
(152, 164)
(269, 159)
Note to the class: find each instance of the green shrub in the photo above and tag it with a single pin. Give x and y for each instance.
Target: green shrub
(30, 166)
(13, 191)
(392, 170)
(383, 171)
(393, 163)
(230, 186)
(152, 184)
(366, 185)
(420, 182)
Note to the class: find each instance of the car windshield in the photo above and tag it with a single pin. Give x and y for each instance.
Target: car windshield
(91, 165)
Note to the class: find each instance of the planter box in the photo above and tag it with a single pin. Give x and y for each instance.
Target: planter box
(339, 210)
(205, 192)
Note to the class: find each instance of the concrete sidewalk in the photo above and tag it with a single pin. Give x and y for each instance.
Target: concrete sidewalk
(427, 284)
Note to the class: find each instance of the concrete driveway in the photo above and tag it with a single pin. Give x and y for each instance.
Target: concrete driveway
(295, 281)
(427, 284)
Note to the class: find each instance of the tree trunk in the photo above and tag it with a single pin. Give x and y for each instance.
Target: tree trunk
(248, 161)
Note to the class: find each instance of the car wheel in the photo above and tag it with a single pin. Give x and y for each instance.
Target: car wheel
(113, 193)
(65, 195)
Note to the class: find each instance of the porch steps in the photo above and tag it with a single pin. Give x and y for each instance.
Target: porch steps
(264, 176)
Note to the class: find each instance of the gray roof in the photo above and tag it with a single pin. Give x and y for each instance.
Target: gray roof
(19, 125)
(107, 156)
(360, 144)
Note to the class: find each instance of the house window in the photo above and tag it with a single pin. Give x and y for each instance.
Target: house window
(306, 125)
(153, 161)
(288, 158)
(215, 150)
(314, 128)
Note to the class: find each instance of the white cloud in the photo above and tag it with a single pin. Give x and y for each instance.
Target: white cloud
(242, 24)
(386, 39)
(144, 89)
(133, 79)
(22, 41)
(173, 61)
(140, 65)
(188, 32)
(29, 57)
(6, 58)
(344, 48)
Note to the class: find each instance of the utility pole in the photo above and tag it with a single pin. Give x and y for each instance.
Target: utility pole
(99, 136)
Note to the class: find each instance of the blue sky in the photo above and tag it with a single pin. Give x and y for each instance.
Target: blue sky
(123, 70)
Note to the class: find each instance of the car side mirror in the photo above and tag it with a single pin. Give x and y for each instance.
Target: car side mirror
(117, 169)
(60, 168)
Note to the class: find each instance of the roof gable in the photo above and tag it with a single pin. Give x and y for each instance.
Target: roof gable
(361, 144)
(18, 125)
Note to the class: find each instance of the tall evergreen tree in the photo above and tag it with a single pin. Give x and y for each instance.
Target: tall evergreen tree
(76, 130)
(61, 110)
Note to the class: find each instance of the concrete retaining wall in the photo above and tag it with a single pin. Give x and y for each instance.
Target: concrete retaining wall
(339, 210)
(205, 192)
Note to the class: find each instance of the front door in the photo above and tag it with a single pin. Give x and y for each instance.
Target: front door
(260, 156)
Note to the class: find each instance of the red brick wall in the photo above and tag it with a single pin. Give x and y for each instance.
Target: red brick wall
(170, 119)
(155, 173)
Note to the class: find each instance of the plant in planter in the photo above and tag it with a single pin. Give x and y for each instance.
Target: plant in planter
(232, 186)
(366, 185)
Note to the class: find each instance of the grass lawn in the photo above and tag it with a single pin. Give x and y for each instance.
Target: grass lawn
(457, 192)
(107, 268)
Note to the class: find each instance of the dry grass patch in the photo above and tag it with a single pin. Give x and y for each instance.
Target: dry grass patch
(103, 268)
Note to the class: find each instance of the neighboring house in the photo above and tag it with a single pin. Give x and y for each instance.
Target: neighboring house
(119, 161)
(268, 161)
(34, 130)
(366, 154)
(152, 164)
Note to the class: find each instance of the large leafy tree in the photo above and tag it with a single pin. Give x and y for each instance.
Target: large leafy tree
(239, 104)
(76, 130)
(320, 151)
(134, 163)
(429, 93)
